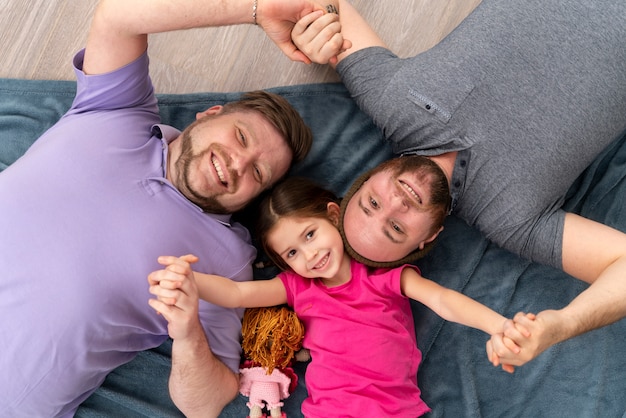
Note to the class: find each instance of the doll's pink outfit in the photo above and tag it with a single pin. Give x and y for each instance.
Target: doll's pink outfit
(262, 388)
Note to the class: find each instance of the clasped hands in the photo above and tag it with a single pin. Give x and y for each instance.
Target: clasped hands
(523, 338)
(176, 294)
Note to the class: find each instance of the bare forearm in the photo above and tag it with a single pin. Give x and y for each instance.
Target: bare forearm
(456, 307)
(134, 17)
(230, 294)
(119, 29)
(200, 384)
(219, 290)
(603, 303)
(450, 304)
(356, 29)
(596, 254)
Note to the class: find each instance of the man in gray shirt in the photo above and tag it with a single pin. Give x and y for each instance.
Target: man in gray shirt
(510, 107)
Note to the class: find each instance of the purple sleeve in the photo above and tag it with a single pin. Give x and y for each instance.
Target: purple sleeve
(127, 87)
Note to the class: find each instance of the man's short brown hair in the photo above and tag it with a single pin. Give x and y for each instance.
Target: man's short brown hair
(282, 115)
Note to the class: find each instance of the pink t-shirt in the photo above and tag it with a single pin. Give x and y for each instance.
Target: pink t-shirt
(363, 347)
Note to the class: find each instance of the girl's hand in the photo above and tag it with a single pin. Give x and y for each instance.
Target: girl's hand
(498, 343)
(319, 37)
(176, 295)
(172, 282)
(505, 349)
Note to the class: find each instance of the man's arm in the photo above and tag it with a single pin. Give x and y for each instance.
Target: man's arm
(356, 30)
(120, 28)
(596, 254)
(200, 384)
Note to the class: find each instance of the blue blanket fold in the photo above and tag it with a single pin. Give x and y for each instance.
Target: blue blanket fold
(583, 377)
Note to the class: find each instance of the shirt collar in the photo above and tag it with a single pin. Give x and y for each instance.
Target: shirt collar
(167, 134)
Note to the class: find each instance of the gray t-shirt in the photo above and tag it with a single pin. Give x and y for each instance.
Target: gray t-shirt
(528, 91)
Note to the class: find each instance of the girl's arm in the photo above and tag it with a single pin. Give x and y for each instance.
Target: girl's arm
(175, 279)
(456, 307)
(450, 304)
(230, 294)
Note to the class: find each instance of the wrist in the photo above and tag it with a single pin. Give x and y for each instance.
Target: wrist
(564, 323)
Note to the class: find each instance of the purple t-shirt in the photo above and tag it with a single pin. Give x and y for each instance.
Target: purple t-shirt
(361, 335)
(85, 214)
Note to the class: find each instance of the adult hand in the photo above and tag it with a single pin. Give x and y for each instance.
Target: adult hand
(544, 330)
(176, 295)
(505, 349)
(278, 17)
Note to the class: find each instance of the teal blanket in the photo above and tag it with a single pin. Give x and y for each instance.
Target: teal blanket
(583, 377)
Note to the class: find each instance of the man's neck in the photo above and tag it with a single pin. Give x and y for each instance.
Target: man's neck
(446, 163)
(173, 152)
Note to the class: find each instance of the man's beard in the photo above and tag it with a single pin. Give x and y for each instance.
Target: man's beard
(428, 171)
(183, 168)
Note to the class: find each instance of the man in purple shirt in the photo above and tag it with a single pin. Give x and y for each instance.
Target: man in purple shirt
(89, 208)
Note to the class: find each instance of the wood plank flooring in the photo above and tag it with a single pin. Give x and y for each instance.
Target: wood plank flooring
(39, 37)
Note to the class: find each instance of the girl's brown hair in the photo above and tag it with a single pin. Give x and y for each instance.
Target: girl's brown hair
(296, 197)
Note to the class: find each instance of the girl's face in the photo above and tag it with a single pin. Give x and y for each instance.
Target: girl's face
(312, 247)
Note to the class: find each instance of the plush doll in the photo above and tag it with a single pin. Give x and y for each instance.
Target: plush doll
(271, 338)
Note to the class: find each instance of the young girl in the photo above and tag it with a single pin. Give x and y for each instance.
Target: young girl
(358, 322)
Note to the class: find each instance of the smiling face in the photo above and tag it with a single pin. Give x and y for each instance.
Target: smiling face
(222, 161)
(397, 210)
(311, 247)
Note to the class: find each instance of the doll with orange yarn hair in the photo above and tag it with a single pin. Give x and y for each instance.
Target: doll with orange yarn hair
(272, 339)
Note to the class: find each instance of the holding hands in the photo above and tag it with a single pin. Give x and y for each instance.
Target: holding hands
(319, 37)
(277, 18)
(176, 294)
(531, 335)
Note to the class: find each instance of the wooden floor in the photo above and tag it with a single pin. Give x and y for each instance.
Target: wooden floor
(39, 37)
